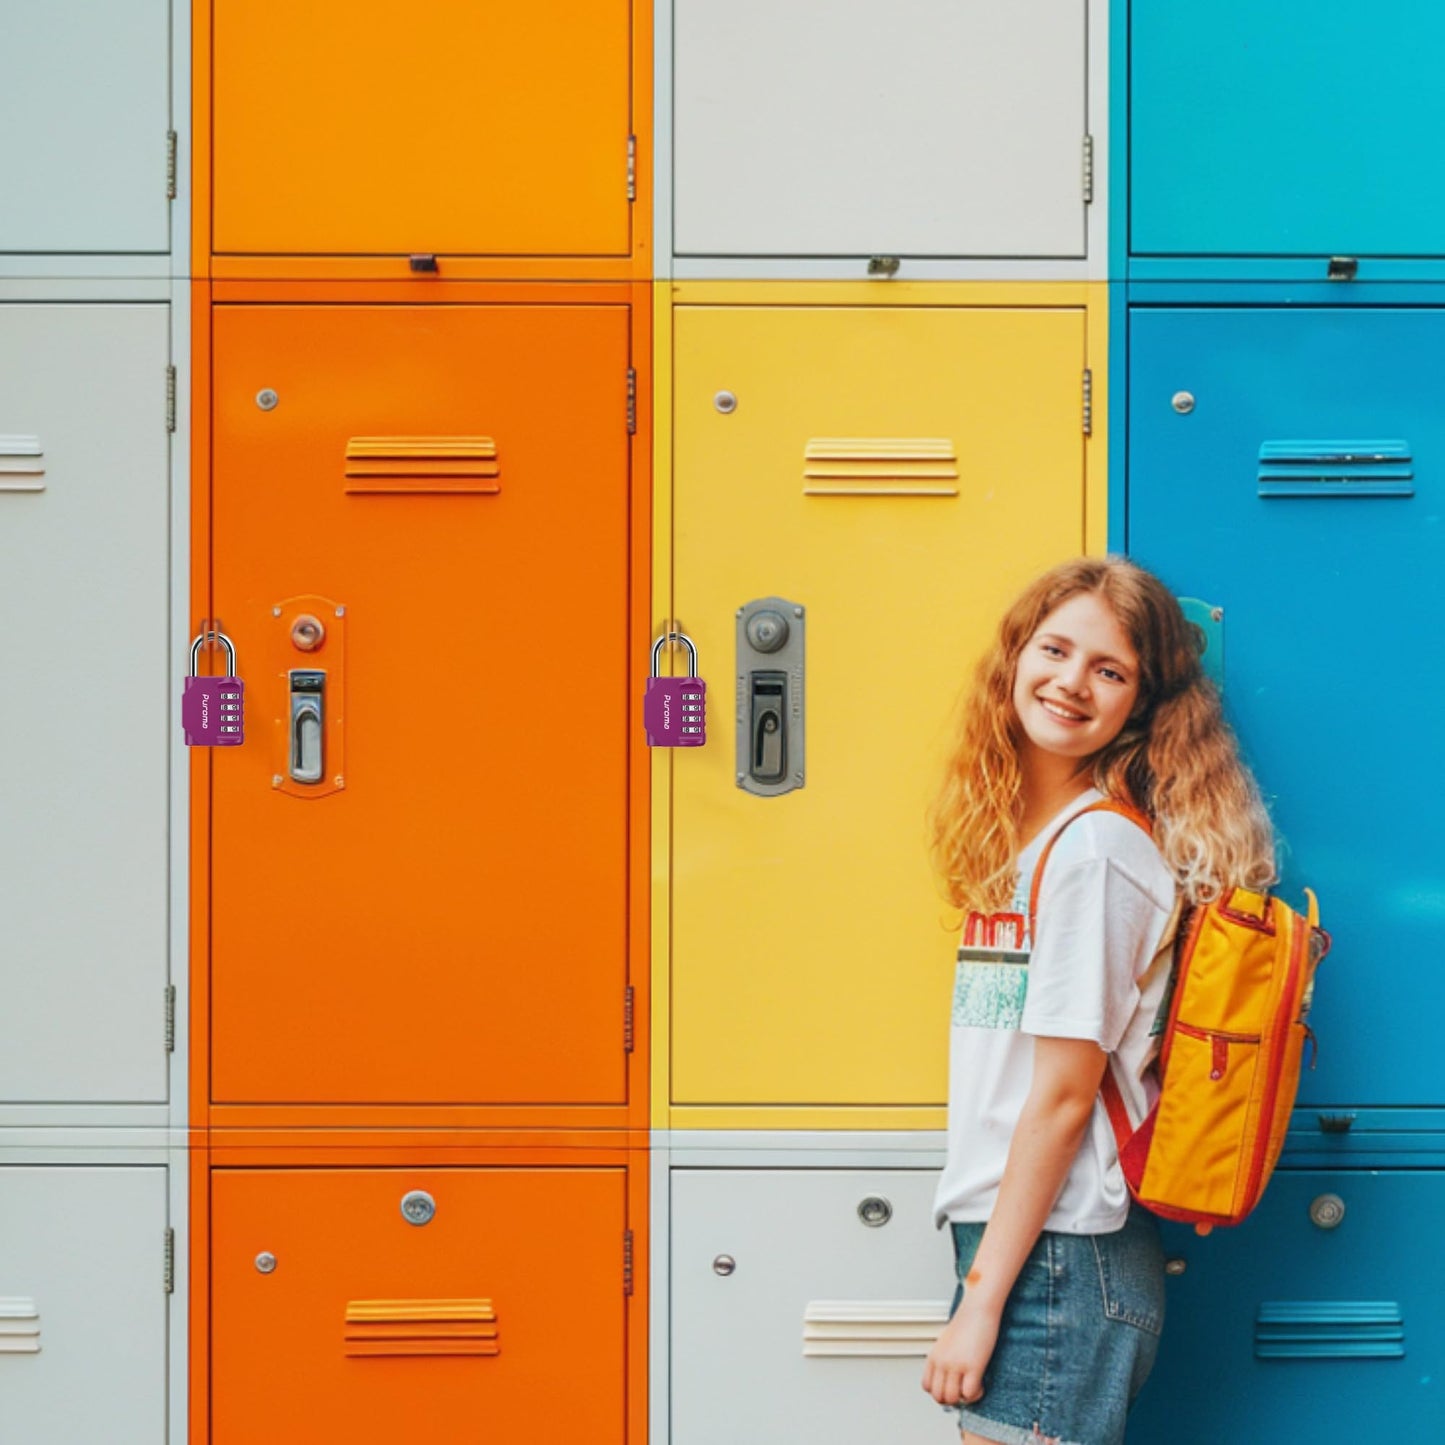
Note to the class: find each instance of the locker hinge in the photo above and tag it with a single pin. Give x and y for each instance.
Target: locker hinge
(632, 168)
(1088, 402)
(631, 401)
(627, 1262)
(627, 1040)
(170, 165)
(170, 398)
(170, 1264)
(170, 1018)
(1088, 169)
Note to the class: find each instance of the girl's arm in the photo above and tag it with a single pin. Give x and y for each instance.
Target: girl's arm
(1066, 1078)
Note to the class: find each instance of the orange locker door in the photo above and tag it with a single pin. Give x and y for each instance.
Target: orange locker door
(420, 551)
(358, 127)
(338, 1315)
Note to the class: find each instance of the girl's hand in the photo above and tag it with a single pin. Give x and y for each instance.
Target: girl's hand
(954, 1372)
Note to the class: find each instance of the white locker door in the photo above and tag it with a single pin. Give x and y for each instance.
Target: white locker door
(84, 112)
(83, 1304)
(836, 127)
(822, 1318)
(86, 712)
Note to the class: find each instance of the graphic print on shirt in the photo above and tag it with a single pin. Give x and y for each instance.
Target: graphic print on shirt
(992, 979)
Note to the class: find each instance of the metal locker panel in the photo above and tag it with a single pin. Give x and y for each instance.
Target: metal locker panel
(347, 128)
(897, 473)
(1288, 466)
(84, 115)
(335, 1316)
(778, 1281)
(84, 731)
(445, 490)
(1285, 129)
(1317, 1319)
(810, 129)
(83, 1304)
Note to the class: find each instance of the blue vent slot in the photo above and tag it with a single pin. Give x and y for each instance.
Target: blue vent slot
(1329, 1330)
(1336, 469)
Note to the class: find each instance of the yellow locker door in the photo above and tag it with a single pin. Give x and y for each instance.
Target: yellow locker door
(897, 473)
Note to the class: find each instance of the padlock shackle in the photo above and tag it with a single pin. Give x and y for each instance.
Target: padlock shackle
(224, 641)
(686, 641)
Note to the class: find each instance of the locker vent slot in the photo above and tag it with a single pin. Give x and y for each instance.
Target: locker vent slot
(22, 464)
(408, 466)
(19, 1326)
(1329, 1330)
(880, 467)
(1336, 469)
(421, 1327)
(872, 1327)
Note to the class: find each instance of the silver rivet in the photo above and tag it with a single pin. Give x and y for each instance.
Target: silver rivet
(797, 777)
(724, 1264)
(275, 780)
(341, 611)
(797, 612)
(339, 781)
(742, 778)
(1175, 1266)
(875, 1211)
(725, 402)
(266, 1262)
(1183, 402)
(266, 399)
(1327, 1211)
(418, 1207)
(1216, 614)
(275, 612)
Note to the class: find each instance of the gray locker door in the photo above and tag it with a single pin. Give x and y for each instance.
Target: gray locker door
(84, 113)
(835, 127)
(86, 710)
(83, 1304)
(817, 1332)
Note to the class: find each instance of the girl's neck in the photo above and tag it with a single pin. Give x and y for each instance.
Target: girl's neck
(1050, 784)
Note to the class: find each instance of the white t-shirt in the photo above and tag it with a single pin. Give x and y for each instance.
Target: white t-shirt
(1098, 970)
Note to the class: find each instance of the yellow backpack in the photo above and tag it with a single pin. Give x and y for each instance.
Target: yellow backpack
(1230, 1057)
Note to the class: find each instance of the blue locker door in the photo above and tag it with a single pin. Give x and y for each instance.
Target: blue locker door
(1330, 579)
(1298, 127)
(1282, 1330)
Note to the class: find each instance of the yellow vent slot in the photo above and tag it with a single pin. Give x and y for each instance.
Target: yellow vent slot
(422, 1327)
(409, 466)
(880, 467)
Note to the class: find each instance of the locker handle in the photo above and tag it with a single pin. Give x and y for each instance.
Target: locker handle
(769, 760)
(308, 687)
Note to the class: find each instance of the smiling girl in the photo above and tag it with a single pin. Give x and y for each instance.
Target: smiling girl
(1092, 700)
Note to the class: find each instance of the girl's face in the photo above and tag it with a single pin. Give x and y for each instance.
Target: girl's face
(1077, 679)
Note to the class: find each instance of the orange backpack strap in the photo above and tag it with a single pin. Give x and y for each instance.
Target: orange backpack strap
(1108, 805)
(1108, 1088)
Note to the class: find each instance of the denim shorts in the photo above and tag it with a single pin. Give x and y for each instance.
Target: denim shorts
(1078, 1336)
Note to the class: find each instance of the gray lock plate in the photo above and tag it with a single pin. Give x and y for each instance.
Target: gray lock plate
(770, 735)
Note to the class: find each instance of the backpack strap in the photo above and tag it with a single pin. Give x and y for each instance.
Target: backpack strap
(1108, 1088)
(1106, 805)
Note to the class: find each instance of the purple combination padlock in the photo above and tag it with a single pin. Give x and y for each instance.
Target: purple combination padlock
(213, 708)
(674, 709)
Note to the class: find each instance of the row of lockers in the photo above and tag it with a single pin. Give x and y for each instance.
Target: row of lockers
(370, 1302)
(452, 496)
(958, 130)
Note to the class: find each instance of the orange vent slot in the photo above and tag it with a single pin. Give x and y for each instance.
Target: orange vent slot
(407, 466)
(422, 1327)
(880, 467)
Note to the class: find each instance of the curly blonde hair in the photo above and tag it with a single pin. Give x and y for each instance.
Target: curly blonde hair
(1175, 758)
